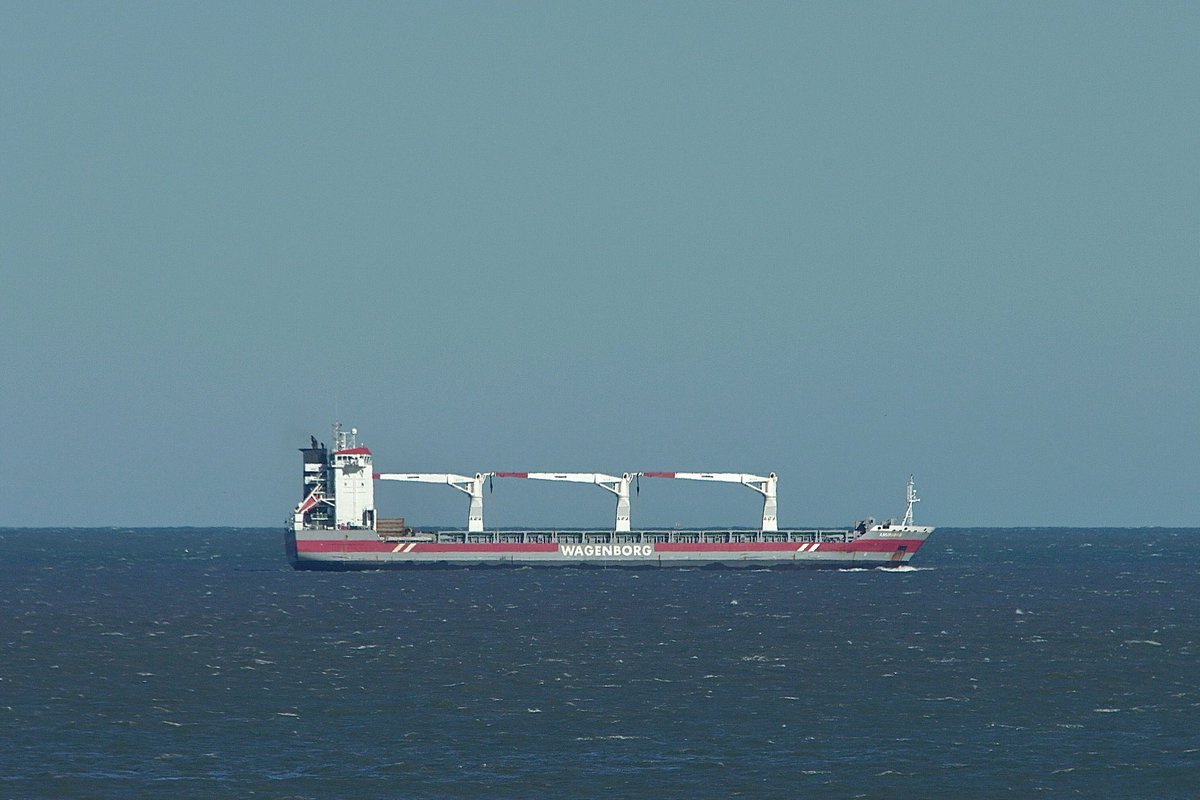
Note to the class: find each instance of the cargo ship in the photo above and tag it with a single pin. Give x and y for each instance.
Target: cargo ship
(335, 526)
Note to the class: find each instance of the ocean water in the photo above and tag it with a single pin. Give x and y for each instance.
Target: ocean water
(195, 663)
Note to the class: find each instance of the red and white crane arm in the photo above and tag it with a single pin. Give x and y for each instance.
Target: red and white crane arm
(471, 486)
(766, 486)
(612, 483)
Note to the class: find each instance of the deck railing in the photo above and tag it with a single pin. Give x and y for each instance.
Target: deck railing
(569, 536)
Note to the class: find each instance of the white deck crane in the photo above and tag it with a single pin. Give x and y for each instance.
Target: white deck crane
(617, 485)
(764, 486)
(470, 486)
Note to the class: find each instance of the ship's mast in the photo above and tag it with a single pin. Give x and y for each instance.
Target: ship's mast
(912, 498)
(343, 440)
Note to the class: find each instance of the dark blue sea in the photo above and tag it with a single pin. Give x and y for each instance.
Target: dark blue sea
(195, 663)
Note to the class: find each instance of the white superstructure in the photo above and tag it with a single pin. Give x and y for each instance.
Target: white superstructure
(353, 487)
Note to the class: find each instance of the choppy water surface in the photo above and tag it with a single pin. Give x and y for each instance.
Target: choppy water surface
(196, 663)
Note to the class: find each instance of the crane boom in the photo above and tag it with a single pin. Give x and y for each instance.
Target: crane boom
(617, 485)
(766, 486)
(473, 487)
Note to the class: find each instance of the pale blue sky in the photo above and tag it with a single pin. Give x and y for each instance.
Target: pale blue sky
(843, 241)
